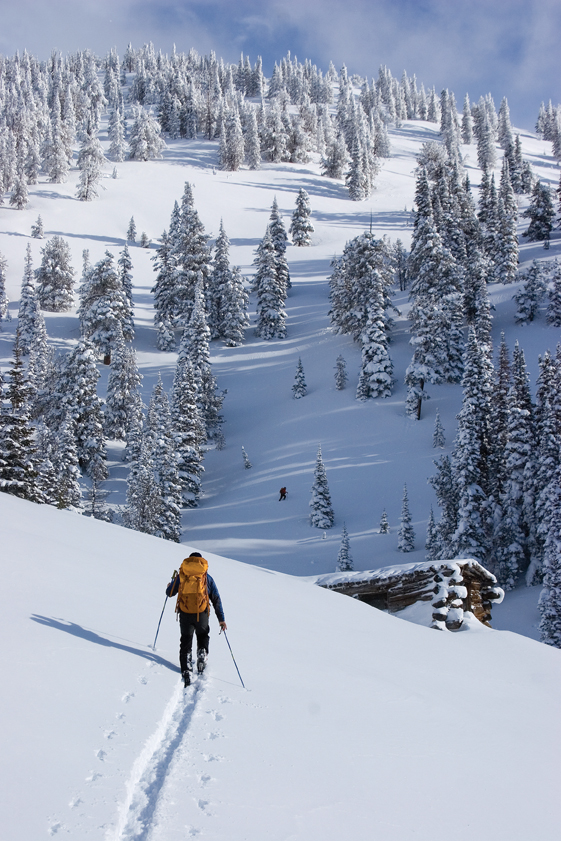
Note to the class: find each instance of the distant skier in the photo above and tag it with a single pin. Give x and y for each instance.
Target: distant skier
(282, 494)
(195, 589)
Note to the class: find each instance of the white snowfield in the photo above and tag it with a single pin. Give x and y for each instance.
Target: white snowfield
(354, 724)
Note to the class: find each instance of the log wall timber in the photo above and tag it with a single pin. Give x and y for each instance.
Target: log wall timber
(452, 586)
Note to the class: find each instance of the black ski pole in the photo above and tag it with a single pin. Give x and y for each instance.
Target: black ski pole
(233, 658)
(162, 613)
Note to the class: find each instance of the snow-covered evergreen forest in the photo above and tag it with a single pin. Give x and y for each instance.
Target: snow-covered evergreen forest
(345, 284)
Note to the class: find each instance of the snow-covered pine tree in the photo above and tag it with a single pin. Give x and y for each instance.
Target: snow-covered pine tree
(541, 214)
(341, 376)
(436, 310)
(124, 380)
(335, 159)
(227, 299)
(280, 241)
(116, 133)
(246, 462)
(46, 457)
(301, 226)
(505, 256)
(189, 263)
(550, 597)
(234, 315)
(159, 430)
(553, 315)
(509, 539)
(299, 389)
(134, 430)
(321, 516)
(38, 366)
(431, 542)
(405, 532)
(124, 272)
(467, 122)
(37, 231)
(4, 312)
(231, 142)
(28, 308)
(18, 463)
(68, 490)
(448, 501)
(131, 230)
(145, 140)
(96, 496)
(20, 196)
(438, 437)
(504, 128)
(188, 431)
(384, 527)
(195, 345)
(55, 277)
(471, 451)
(376, 372)
(104, 307)
(344, 558)
(271, 292)
(90, 163)
(144, 501)
(80, 400)
(252, 142)
(531, 296)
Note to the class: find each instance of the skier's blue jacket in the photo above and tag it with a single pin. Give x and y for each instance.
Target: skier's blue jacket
(173, 588)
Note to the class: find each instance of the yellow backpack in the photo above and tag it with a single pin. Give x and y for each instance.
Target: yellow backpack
(192, 596)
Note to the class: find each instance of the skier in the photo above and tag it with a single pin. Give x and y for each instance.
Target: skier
(195, 589)
(282, 494)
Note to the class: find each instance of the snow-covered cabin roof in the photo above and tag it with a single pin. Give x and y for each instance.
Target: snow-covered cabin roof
(452, 586)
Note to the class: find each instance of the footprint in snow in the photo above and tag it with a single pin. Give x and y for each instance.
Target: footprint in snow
(100, 754)
(143, 680)
(192, 830)
(109, 734)
(54, 828)
(127, 696)
(75, 802)
(204, 779)
(216, 716)
(93, 777)
(212, 757)
(202, 804)
(215, 735)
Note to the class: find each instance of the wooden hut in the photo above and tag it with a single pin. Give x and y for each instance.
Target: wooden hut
(451, 587)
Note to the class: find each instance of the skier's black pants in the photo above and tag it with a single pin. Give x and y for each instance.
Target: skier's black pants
(192, 623)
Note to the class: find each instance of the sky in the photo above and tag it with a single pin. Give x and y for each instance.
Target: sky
(506, 47)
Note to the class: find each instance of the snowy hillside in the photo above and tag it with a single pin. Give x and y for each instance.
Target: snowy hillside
(354, 723)
(370, 448)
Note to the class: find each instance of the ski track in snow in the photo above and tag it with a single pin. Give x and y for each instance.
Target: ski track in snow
(150, 769)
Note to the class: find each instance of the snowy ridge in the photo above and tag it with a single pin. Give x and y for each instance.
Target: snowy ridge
(148, 774)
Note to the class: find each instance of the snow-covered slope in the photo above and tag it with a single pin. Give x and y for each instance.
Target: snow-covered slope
(370, 449)
(353, 723)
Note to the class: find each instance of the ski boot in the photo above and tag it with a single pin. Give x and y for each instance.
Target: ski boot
(201, 660)
(190, 662)
(186, 678)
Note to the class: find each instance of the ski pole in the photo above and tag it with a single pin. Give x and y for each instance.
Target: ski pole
(233, 658)
(162, 613)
